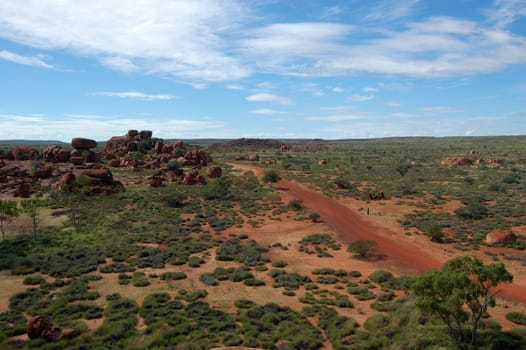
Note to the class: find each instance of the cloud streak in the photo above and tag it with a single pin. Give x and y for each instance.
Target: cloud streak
(99, 127)
(135, 95)
(25, 60)
(265, 97)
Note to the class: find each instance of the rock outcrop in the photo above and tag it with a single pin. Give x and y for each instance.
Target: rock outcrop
(213, 171)
(43, 327)
(56, 154)
(500, 237)
(456, 161)
(20, 153)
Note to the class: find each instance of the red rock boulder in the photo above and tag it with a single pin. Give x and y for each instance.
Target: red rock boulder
(213, 171)
(82, 143)
(500, 237)
(21, 153)
(43, 171)
(456, 161)
(254, 157)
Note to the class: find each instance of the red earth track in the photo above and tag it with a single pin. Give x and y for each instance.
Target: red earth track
(352, 226)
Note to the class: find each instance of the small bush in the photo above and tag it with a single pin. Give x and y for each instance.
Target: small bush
(381, 276)
(173, 276)
(139, 279)
(33, 280)
(279, 263)
(253, 282)
(517, 317)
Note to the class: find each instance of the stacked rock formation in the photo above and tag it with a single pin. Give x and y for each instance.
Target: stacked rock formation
(82, 152)
(55, 154)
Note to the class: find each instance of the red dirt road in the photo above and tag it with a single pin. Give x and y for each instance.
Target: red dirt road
(395, 250)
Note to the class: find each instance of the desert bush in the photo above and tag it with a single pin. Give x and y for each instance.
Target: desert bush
(139, 279)
(381, 277)
(33, 280)
(165, 276)
(517, 317)
(279, 263)
(117, 267)
(253, 282)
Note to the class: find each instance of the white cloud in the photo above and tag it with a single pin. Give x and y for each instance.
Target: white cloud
(369, 89)
(264, 97)
(440, 109)
(101, 127)
(205, 41)
(337, 108)
(25, 60)
(403, 115)
(23, 118)
(179, 38)
(505, 12)
(266, 111)
(360, 98)
(340, 117)
(338, 89)
(135, 95)
(389, 10)
(234, 87)
(394, 104)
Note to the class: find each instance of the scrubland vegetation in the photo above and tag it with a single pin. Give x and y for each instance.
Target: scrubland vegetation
(138, 269)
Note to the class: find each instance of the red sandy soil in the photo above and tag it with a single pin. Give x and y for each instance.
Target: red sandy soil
(401, 252)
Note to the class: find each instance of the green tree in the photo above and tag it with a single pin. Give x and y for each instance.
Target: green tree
(271, 176)
(461, 291)
(362, 247)
(30, 208)
(8, 211)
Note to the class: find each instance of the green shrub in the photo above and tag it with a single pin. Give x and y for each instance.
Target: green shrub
(139, 279)
(517, 317)
(381, 277)
(33, 280)
(279, 263)
(173, 276)
(253, 282)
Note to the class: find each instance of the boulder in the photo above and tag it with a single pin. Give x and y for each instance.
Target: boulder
(80, 143)
(65, 181)
(43, 171)
(118, 146)
(456, 161)
(322, 162)
(23, 191)
(500, 237)
(254, 157)
(43, 327)
(156, 181)
(189, 180)
(115, 162)
(213, 171)
(55, 153)
(37, 325)
(76, 160)
(145, 134)
(20, 153)
(132, 133)
(103, 174)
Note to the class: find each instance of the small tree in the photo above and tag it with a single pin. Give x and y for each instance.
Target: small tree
(362, 247)
(463, 281)
(271, 176)
(8, 211)
(30, 208)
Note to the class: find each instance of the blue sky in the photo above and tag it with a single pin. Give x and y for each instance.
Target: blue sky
(262, 68)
